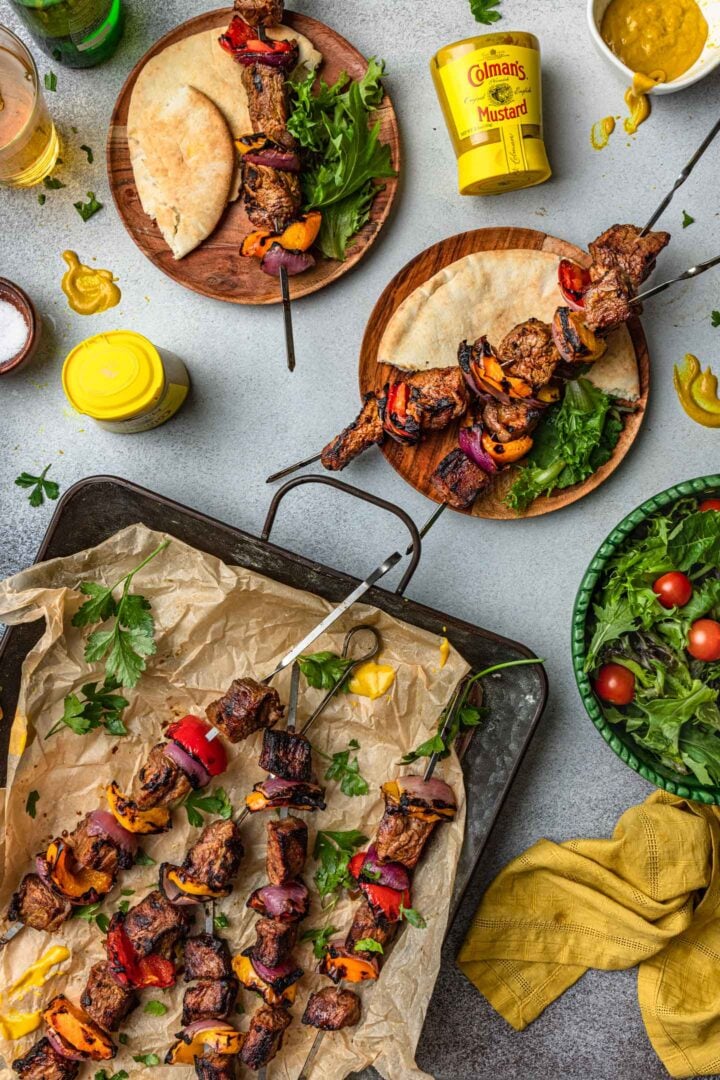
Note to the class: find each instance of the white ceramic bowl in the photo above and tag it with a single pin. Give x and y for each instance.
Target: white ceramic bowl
(706, 62)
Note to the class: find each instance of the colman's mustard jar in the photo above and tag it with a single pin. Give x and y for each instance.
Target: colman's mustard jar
(124, 382)
(491, 95)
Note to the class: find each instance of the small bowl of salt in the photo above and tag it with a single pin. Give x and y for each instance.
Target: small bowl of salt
(19, 328)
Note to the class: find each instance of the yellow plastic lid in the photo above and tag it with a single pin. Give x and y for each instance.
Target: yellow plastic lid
(113, 376)
(483, 170)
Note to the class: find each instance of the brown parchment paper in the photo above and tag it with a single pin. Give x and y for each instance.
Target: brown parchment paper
(214, 623)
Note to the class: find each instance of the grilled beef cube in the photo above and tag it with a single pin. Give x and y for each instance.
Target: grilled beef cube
(214, 859)
(332, 1009)
(265, 1036)
(287, 755)
(105, 1000)
(402, 839)
(608, 301)
(273, 197)
(286, 852)
(367, 924)
(207, 957)
(624, 247)
(508, 422)
(97, 852)
(210, 999)
(36, 905)
(366, 431)
(275, 942)
(437, 397)
(267, 102)
(44, 1063)
(260, 12)
(290, 902)
(216, 1067)
(274, 793)
(458, 480)
(529, 353)
(155, 925)
(248, 706)
(160, 781)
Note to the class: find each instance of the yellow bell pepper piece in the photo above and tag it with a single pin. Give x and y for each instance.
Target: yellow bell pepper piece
(249, 978)
(697, 391)
(192, 888)
(136, 821)
(217, 1040)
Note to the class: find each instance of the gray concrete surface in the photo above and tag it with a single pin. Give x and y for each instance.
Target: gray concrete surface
(247, 416)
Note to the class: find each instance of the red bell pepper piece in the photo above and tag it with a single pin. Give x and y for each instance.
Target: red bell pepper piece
(132, 970)
(236, 36)
(396, 412)
(386, 900)
(356, 864)
(191, 734)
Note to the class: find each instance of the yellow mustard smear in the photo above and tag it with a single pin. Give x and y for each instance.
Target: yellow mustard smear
(601, 131)
(14, 1023)
(88, 290)
(444, 652)
(655, 36)
(638, 102)
(372, 680)
(698, 392)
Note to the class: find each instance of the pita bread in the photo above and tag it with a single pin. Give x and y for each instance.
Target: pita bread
(488, 293)
(184, 161)
(199, 61)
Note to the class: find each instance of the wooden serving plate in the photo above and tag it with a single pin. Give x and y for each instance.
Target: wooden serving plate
(417, 464)
(216, 268)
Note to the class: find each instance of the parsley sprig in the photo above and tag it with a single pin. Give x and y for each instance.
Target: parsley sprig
(484, 11)
(91, 913)
(196, 804)
(101, 707)
(131, 639)
(31, 803)
(320, 937)
(90, 208)
(323, 670)
(368, 944)
(41, 487)
(409, 914)
(347, 771)
(333, 851)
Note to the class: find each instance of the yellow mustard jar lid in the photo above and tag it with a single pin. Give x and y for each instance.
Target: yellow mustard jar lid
(113, 376)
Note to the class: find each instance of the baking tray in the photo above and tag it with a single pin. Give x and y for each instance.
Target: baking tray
(100, 506)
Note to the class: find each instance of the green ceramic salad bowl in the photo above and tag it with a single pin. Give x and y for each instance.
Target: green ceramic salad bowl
(618, 739)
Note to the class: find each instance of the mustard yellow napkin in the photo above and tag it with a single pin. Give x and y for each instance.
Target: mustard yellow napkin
(650, 896)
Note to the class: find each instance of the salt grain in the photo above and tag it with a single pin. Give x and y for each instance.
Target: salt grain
(13, 331)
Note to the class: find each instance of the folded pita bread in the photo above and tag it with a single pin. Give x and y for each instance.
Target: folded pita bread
(184, 161)
(488, 293)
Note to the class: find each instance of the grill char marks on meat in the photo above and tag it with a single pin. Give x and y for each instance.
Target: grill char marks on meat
(528, 353)
(207, 957)
(401, 839)
(247, 707)
(622, 246)
(287, 842)
(104, 1000)
(366, 431)
(36, 905)
(210, 999)
(332, 1009)
(367, 925)
(214, 859)
(265, 1036)
(275, 942)
(155, 925)
(608, 301)
(458, 480)
(160, 781)
(216, 1067)
(508, 422)
(97, 852)
(260, 12)
(267, 102)
(286, 754)
(437, 398)
(43, 1063)
(273, 197)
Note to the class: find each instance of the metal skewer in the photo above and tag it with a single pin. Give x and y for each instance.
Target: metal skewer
(682, 177)
(287, 317)
(293, 468)
(692, 272)
(455, 700)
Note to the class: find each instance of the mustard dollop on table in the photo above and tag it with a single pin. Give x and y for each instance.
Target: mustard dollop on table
(89, 291)
(14, 1023)
(698, 392)
(372, 680)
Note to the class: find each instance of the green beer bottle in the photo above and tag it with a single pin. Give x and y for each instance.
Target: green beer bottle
(77, 33)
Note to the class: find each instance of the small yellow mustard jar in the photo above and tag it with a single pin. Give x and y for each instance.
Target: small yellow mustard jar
(124, 382)
(490, 91)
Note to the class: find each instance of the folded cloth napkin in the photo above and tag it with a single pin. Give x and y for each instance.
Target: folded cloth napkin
(650, 896)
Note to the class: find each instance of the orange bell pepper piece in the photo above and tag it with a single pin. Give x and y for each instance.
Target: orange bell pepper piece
(124, 810)
(75, 882)
(248, 976)
(257, 243)
(78, 1030)
(509, 452)
(223, 1039)
(302, 234)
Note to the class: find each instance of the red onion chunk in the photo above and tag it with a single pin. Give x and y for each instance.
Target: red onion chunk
(433, 792)
(197, 1027)
(173, 892)
(275, 785)
(103, 823)
(470, 439)
(392, 874)
(196, 773)
(285, 60)
(62, 1048)
(295, 262)
(43, 871)
(282, 901)
(272, 975)
(284, 160)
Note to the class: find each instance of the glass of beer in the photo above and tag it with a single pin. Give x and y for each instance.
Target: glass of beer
(29, 144)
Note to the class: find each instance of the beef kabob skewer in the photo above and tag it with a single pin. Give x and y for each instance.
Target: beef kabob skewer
(414, 806)
(665, 202)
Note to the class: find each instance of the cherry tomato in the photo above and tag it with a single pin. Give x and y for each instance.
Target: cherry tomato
(615, 684)
(191, 733)
(709, 504)
(704, 640)
(673, 589)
